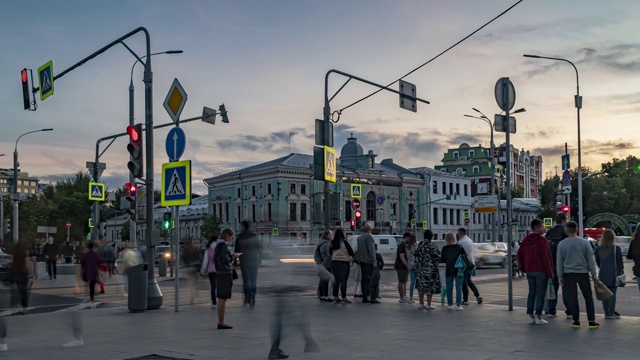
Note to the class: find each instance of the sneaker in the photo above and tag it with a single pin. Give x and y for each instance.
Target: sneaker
(552, 316)
(450, 307)
(593, 325)
(576, 325)
(214, 306)
(277, 354)
(422, 307)
(404, 301)
(609, 316)
(92, 305)
(480, 300)
(615, 313)
(337, 301)
(346, 301)
(532, 321)
(73, 343)
(541, 321)
(411, 301)
(569, 317)
(378, 299)
(465, 303)
(3, 347)
(458, 308)
(311, 346)
(430, 307)
(375, 302)
(224, 327)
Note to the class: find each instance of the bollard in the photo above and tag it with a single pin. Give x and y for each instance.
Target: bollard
(162, 266)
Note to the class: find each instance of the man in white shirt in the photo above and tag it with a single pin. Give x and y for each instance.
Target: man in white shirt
(467, 244)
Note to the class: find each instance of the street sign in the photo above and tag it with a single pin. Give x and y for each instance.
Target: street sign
(485, 204)
(45, 80)
(380, 200)
(413, 222)
(90, 223)
(176, 183)
(330, 172)
(500, 123)
(566, 189)
(566, 178)
(424, 224)
(548, 222)
(274, 231)
(68, 224)
(466, 214)
(505, 94)
(407, 99)
(175, 144)
(356, 204)
(175, 100)
(209, 115)
(566, 162)
(356, 191)
(97, 191)
(92, 166)
(275, 225)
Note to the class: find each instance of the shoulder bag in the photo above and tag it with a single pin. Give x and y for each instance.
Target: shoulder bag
(621, 280)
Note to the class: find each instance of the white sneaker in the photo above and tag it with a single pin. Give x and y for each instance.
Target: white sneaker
(459, 308)
(404, 301)
(450, 307)
(411, 301)
(541, 322)
(422, 307)
(430, 307)
(569, 317)
(92, 305)
(532, 321)
(73, 343)
(214, 306)
(3, 347)
(379, 299)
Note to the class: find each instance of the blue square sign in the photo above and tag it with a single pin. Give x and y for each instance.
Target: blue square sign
(176, 183)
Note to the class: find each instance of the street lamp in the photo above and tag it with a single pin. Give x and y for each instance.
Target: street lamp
(578, 104)
(15, 184)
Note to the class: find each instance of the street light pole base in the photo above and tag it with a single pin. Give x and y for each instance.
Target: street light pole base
(154, 295)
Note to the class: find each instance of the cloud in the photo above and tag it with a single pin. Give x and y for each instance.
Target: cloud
(610, 147)
(274, 142)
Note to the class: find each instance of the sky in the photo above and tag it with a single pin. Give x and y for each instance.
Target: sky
(266, 61)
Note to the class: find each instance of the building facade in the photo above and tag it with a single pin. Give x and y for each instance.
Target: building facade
(27, 185)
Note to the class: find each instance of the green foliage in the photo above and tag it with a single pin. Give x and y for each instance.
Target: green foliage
(210, 227)
(124, 231)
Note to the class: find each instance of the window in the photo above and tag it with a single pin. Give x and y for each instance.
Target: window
(435, 236)
(444, 216)
(253, 212)
(476, 169)
(303, 189)
(268, 188)
(472, 153)
(347, 210)
(269, 211)
(220, 211)
(435, 187)
(303, 212)
(226, 211)
(293, 189)
(393, 209)
(456, 154)
(411, 213)
(292, 212)
(451, 218)
(371, 206)
(435, 216)
(451, 189)
(384, 241)
(253, 191)
(444, 188)
(244, 194)
(238, 196)
(458, 216)
(457, 189)
(443, 171)
(466, 190)
(239, 214)
(459, 171)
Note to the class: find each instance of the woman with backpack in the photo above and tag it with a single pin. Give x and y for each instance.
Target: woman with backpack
(609, 260)
(322, 258)
(450, 254)
(340, 259)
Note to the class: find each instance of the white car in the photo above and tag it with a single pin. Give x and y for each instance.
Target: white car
(387, 247)
(488, 254)
(6, 260)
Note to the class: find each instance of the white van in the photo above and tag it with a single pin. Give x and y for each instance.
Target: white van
(387, 247)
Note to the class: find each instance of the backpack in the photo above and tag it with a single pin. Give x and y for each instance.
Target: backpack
(554, 236)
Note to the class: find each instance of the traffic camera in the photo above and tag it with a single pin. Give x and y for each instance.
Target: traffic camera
(135, 150)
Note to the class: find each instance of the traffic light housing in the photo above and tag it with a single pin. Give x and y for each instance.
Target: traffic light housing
(135, 150)
(565, 209)
(166, 221)
(353, 225)
(26, 96)
(131, 198)
(223, 113)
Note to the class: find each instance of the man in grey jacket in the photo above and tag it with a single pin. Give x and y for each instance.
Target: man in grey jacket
(574, 264)
(366, 257)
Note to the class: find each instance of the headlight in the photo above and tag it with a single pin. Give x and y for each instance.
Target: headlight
(167, 255)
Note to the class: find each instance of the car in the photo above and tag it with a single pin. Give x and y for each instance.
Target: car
(6, 260)
(623, 242)
(488, 254)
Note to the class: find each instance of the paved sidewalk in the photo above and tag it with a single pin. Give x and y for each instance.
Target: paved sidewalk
(357, 331)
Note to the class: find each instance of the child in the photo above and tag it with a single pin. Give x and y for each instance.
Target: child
(375, 278)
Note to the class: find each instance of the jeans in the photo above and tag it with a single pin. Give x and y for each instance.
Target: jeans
(52, 268)
(367, 271)
(412, 284)
(375, 284)
(468, 284)
(212, 281)
(278, 314)
(538, 282)
(571, 283)
(609, 305)
(341, 274)
(459, 280)
(553, 303)
(92, 289)
(249, 279)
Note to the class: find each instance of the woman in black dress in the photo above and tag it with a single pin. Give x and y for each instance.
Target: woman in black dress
(224, 275)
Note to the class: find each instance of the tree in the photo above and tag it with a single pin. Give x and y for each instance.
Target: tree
(210, 226)
(548, 193)
(125, 231)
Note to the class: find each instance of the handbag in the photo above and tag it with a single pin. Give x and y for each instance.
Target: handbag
(621, 280)
(602, 291)
(234, 274)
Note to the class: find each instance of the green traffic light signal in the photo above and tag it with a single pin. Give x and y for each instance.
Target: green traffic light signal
(166, 221)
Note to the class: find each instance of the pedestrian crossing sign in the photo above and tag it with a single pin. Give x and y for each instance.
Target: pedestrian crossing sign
(356, 191)
(45, 80)
(330, 171)
(548, 222)
(97, 191)
(176, 183)
(274, 231)
(466, 214)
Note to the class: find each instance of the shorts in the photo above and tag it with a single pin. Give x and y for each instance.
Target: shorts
(402, 275)
(224, 283)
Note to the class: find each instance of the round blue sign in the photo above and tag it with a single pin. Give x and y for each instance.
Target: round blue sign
(380, 200)
(566, 178)
(175, 144)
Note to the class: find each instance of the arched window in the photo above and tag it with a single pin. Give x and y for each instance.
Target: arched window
(472, 153)
(371, 206)
(476, 169)
(456, 154)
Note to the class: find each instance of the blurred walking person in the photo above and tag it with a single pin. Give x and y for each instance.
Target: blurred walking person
(341, 257)
(209, 267)
(411, 251)
(20, 278)
(50, 252)
(450, 254)
(427, 259)
(191, 260)
(322, 258)
(609, 261)
(467, 244)
(67, 253)
(375, 277)
(90, 264)
(554, 236)
(35, 254)
(130, 257)
(223, 260)
(634, 254)
(366, 257)
(249, 247)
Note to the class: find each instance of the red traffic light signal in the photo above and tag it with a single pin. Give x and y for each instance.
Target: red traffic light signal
(135, 150)
(26, 97)
(565, 209)
(353, 225)
(133, 133)
(132, 188)
(358, 214)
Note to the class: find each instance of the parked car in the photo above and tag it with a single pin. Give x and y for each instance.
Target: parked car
(623, 242)
(488, 254)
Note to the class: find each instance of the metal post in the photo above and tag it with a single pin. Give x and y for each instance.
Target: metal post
(568, 196)
(578, 100)
(508, 165)
(327, 189)
(492, 188)
(176, 234)
(15, 194)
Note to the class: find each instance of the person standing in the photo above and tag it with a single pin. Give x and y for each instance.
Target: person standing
(249, 247)
(209, 266)
(223, 260)
(322, 258)
(402, 268)
(90, 264)
(554, 236)
(50, 252)
(450, 254)
(411, 251)
(467, 244)
(341, 257)
(574, 264)
(426, 268)
(366, 257)
(634, 254)
(609, 261)
(375, 277)
(535, 260)
(20, 278)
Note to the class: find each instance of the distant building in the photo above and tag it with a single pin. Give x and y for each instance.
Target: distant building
(27, 185)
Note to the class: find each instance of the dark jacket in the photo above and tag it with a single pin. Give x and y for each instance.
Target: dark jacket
(50, 250)
(250, 246)
(380, 261)
(535, 255)
(608, 267)
(366, 252)
(554, 236)
(90, 266)
(449, 256)
(634, 254)
(223, 258)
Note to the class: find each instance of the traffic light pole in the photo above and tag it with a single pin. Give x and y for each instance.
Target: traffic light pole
(134, 218)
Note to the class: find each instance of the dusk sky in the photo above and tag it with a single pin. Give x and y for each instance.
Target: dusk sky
(266, 61)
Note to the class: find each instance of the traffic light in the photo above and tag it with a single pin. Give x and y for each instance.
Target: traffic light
(353, 225)
(131, 198)
(135, 150)
(26, 96)
(358, 215)
(166, 221)
(565, 209)
(223, 112)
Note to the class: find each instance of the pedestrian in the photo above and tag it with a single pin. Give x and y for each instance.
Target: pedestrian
(411, 249)
(574, 264)
(34, 255)
(366, 257)
(67, 252)
(535, 260)
(322, 258)
(467, 284)
(223, 260)
(402, 267)
(209, 266)
(375, 277)
(21, 278)
(450, 254)
(130, 257)
(50, 252)
(342, 255)
(249, 247)
(426, 267)
(634, 254)
(90, 264)
(609, 261)
(554, 236)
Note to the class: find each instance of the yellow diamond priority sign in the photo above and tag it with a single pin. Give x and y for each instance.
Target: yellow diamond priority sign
(175, 101)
